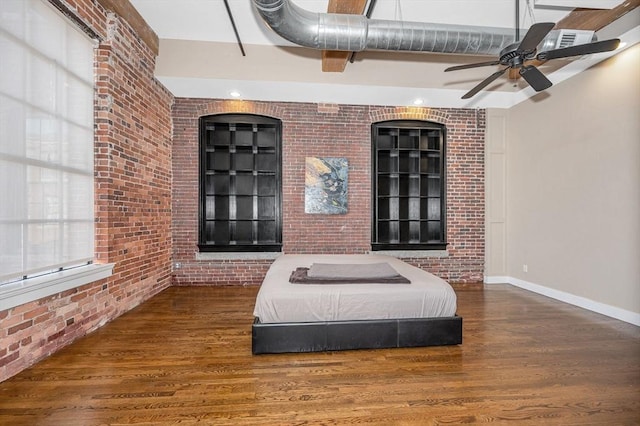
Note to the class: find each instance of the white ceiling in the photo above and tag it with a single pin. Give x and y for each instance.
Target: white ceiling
(199, 55)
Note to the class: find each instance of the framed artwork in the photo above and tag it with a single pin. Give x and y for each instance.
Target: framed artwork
(325, 185)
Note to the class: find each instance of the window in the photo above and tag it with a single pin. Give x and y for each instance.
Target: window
(240, 183)
(408, 186)
(46, 142)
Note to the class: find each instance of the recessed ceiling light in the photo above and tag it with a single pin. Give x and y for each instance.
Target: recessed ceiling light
(234, 94)
(418, 101)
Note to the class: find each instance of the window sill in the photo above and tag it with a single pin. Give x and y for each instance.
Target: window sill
(31, 289)
(415, 254)
(210, 255)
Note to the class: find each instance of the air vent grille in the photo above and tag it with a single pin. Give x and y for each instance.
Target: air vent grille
(558, 39)
(568, 39)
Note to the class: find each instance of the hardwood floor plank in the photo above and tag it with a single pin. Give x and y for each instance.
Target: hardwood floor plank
(185, 357)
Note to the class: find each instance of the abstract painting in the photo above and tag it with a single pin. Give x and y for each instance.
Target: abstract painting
(325, 185)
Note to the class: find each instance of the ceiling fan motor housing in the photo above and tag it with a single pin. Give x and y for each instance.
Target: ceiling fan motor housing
(512, 57)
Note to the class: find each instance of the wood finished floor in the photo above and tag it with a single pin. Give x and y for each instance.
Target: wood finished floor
(185, 357)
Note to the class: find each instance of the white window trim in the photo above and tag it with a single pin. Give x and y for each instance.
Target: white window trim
(31, 289)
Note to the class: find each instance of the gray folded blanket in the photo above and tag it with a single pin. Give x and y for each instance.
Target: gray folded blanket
(352, 270)
(300, 276)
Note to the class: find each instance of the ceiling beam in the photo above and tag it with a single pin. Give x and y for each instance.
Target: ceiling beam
(595, 19)
(588, 19)
(126, 11)
(334, 60)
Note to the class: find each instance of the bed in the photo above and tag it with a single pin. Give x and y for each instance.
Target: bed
(336, 315)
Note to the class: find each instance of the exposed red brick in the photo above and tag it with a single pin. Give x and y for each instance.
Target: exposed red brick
(9, 358)
(35, 312)
(55, 335)
(79, 296)
(317, 130)
(19, 327)
(132, 153)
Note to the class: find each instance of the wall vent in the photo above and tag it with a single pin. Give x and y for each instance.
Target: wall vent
(558, 39)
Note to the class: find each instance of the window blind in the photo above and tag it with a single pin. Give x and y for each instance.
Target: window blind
(46, 141)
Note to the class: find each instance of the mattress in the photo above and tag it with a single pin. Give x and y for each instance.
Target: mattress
(280, 301)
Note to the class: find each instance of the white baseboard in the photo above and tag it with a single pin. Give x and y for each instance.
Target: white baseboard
(572, 299)
(496, 280)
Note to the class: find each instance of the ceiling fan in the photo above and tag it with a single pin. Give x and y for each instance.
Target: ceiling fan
(515, 55)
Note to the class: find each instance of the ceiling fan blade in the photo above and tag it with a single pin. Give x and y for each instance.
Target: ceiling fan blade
(535, 78)
(581, 49)
(535, 35)
(476, 65)
(484, 83)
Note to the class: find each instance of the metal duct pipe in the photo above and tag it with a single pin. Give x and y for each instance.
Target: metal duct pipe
(355, 33)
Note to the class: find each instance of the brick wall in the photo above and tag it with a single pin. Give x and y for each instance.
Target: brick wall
(331, 131)
(132, 200)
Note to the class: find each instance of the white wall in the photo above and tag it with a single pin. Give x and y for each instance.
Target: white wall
(573, 189)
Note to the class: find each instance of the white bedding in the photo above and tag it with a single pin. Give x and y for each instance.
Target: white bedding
(281, 301)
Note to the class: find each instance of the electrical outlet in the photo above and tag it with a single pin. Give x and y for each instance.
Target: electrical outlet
(525, 268)
(177, 265)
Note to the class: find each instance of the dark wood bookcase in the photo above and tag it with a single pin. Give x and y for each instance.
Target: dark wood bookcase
(409, 185)
(240, 185)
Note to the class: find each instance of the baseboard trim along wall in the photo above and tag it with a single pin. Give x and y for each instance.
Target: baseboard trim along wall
(572, 299)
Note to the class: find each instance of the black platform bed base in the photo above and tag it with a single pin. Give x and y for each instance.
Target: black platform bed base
(346, 335)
